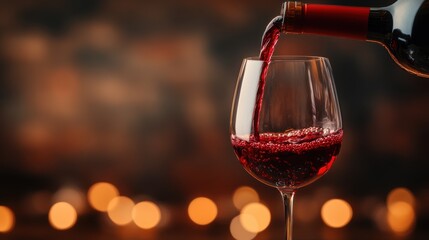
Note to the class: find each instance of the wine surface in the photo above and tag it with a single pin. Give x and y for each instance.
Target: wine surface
(288, 160)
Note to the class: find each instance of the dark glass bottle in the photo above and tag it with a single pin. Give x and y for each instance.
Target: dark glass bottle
(403, 27)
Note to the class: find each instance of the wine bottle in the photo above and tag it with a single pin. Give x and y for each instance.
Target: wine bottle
(402, 28)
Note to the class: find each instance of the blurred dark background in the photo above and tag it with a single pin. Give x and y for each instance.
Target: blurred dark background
(138, 94)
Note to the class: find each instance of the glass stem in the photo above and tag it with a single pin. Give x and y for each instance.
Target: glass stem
(287, 195)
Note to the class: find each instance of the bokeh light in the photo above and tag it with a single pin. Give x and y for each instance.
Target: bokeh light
(120, 210)
(249, 222)
(255, 217)
(238, 231)
(100, 194)
(7, 219)
(202, 211)
(71, 195)
(62, 216)
(146, 215)
(400, 217)
(336, 213)
(400, 195)
(244, 195)
(400, 210)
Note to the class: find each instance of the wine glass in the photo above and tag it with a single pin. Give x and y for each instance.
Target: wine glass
(286, 127)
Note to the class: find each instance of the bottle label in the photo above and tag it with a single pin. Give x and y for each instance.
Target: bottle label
(350, 22)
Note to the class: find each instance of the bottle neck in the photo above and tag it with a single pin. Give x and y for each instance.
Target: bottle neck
(380, 25)
(342, 21)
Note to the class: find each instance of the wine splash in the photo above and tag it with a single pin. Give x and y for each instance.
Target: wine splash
(269, 41)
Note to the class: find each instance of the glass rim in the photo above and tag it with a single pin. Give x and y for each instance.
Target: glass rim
(290, 58)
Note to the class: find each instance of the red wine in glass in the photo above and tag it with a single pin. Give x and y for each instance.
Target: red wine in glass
(285, 123)
(289, 160)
